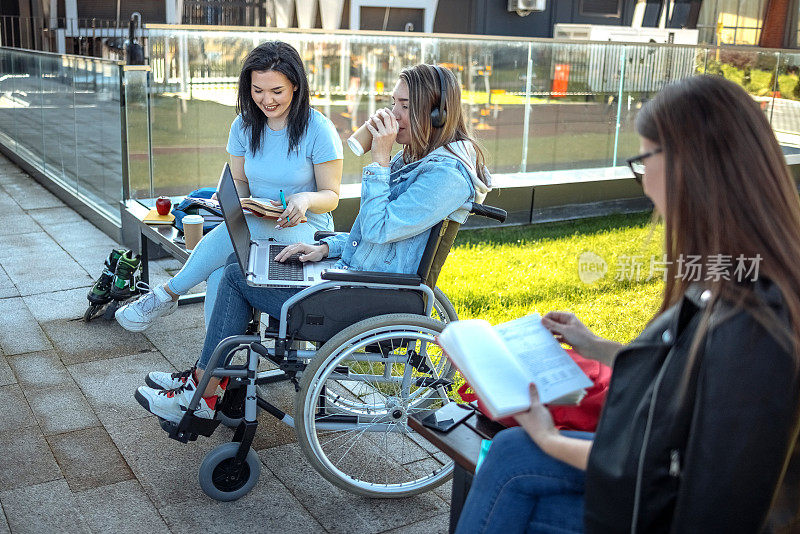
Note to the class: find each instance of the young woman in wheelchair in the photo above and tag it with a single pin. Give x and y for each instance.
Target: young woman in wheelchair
(402, 198)
(277, 143)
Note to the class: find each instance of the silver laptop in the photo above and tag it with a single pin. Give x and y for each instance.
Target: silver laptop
(257, 258)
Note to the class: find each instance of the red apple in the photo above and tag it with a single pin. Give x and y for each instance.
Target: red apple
(163, 204)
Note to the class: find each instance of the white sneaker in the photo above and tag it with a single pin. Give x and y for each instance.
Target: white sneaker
(171, 404)
(161, 380)
(140, 314)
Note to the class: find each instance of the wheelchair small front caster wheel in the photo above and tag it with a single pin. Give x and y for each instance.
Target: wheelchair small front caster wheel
(223, 478)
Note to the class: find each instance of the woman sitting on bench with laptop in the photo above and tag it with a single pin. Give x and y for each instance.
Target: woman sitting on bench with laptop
(279, 145)
(402, 198)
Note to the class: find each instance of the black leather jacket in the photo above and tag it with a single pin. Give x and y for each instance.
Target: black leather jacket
(720, 455)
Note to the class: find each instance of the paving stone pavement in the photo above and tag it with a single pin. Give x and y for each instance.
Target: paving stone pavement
(80, 455)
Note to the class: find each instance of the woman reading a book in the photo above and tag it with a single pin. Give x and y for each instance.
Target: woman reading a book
(278, 145)
(699, 429)
(402, 198)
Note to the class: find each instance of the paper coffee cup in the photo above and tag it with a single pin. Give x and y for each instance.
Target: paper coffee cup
(192, 230)
(361, 141)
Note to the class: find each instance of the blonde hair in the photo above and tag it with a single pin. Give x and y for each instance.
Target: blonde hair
(425, 95)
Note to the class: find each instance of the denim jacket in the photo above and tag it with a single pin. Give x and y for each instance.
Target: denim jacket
(399, 206)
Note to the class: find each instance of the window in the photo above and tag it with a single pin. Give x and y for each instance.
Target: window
(734, 22)
(600, 8)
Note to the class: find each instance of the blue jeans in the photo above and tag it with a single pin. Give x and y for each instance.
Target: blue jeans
(520, 489)
(234, 308)
(207, 260)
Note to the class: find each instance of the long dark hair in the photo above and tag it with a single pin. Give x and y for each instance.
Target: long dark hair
(279, 57)
(728, 192)
(424, 94)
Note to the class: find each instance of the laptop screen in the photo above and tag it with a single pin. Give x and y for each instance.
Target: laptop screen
(234, 218)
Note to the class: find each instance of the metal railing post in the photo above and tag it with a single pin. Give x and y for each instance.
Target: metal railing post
(619, 104)
(149, 130)
(523, 166)
(123, 123)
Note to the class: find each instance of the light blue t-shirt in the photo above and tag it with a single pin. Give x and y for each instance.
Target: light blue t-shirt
(271, 169)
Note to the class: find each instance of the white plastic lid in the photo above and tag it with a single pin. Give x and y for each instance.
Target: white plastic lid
(355, 146)
(193, 219)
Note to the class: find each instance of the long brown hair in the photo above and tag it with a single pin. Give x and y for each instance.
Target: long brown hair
(728, 192)
(279, 57)
(424, 95)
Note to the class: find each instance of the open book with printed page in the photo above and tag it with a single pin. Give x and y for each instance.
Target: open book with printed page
(501, 362)
(262, 207)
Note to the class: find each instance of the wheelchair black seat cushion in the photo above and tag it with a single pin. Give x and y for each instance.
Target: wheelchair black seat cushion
(322, 315)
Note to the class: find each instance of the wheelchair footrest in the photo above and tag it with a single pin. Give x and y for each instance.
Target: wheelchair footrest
(193, 427)
(430, 382)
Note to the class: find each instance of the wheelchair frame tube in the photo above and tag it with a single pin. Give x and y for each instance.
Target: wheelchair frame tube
(250, 408)
(332, 283)
(224, 347)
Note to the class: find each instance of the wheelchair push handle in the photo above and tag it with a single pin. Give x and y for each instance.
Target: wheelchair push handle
(486, 211)
(322, 234)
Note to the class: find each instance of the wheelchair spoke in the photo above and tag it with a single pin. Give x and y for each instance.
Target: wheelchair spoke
(354, 429)
(354, 441)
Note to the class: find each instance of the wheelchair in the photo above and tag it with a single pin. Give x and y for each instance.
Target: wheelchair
(373, 361)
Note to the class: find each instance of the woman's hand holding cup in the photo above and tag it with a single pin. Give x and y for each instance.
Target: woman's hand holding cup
(383, 127)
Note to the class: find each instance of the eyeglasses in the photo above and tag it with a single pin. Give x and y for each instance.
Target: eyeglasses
(636, 164)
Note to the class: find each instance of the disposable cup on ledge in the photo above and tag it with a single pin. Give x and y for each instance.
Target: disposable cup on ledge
(192, 230)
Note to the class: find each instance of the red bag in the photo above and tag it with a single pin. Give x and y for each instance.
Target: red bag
(583, 416)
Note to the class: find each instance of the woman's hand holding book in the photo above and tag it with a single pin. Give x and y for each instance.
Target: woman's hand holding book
(567, 328)
(537, 421)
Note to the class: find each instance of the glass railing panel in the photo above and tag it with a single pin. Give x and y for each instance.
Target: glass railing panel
(493, 84)
(98, 107)
(580, 100)
(8, 101)
(61, 114)
(192, 106)
(60, 151)
(570, 126)
(363, 74)
(137, 122)
(83, 126)
(754, 70)
(646, 70)
(759, 73)
(29, 112)
(784, 114)
(71, 140)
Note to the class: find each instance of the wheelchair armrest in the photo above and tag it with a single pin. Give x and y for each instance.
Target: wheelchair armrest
(373, 277)
(322, 234)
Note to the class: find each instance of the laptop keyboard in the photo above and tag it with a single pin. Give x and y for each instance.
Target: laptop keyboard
(291, 269)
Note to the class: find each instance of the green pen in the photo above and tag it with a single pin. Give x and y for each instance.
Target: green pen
(283, 199)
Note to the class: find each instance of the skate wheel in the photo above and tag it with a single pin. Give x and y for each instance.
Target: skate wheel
(91, 312)
(223, 478)
(112, 308)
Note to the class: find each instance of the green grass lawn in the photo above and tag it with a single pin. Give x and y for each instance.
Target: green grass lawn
(501, 274)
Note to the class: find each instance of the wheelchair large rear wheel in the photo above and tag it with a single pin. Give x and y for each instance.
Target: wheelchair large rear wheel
(355, 398)
(443, 309)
